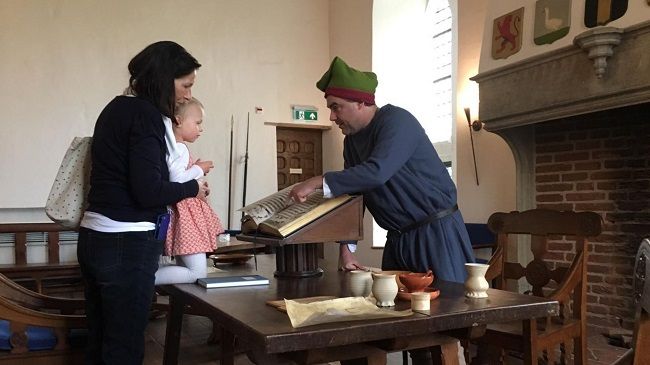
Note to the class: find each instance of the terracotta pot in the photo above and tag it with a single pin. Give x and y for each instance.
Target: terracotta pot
(415, 281)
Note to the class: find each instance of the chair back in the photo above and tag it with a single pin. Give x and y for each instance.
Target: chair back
(544, 226)
(642, 298)
(641, 272)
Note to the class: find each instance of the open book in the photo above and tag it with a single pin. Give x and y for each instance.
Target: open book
(276, 215)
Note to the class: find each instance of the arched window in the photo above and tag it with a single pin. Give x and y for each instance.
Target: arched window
(412, 56)
(441, 40)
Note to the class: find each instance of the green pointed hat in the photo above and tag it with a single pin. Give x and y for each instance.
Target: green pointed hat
(346, 82)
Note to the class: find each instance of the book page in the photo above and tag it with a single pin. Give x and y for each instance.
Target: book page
(295, 210)
(265, 208)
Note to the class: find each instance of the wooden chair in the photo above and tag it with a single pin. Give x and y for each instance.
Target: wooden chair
(642, 298)
(21, 308)
(569, 290)
(642, 295)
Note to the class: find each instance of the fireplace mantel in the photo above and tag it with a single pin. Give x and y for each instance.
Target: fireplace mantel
(562, 83)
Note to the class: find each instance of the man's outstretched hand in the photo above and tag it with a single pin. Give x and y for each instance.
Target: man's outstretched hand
(300, 192)
(347, 261)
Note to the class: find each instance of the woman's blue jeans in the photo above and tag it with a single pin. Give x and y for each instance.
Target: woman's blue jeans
(119, 272)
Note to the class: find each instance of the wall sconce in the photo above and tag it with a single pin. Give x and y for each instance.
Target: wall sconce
(599, 44)
(475, 125)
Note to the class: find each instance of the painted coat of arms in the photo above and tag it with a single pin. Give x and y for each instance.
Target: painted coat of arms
(601, 12)
(507, 34)
(552, 20)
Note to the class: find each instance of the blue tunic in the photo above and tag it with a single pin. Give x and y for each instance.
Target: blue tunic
(403, 181)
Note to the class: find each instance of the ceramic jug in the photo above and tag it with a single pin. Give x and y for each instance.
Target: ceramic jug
(384, 289)
(476, 286)
(360, 283)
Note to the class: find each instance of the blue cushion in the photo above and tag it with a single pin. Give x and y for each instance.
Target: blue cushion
(480, 234)
(38, 338)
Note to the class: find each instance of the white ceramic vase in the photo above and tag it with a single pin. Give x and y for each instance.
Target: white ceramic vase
(384, 289)
(360, 283)
(476, 286)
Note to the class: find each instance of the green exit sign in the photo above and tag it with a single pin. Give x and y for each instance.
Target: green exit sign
(306, 115)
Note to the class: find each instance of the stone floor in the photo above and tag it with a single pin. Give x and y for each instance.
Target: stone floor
(600, 352)
(195, 351)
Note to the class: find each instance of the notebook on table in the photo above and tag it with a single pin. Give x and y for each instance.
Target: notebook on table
(230, 281)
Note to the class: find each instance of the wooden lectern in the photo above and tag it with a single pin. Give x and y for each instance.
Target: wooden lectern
(297, 255)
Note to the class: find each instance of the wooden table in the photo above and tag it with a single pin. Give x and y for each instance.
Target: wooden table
(243, 312)
(236, 245)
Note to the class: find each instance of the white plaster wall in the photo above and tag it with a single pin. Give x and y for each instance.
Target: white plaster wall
(63, 60)
(638, 11)
(495, 162)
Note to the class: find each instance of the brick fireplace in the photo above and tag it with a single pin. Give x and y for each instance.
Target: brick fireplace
(600, 162)
(582, 143)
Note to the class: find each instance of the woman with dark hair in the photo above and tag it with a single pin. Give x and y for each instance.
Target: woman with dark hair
(123, 229)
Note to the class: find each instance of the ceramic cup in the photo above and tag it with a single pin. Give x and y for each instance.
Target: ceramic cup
(384, 289)
(360, 283)
(476, 286)
(421, 301)
(224, 238)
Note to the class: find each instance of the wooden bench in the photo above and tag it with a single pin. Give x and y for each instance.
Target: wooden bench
(50, 276)
(56, 324)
